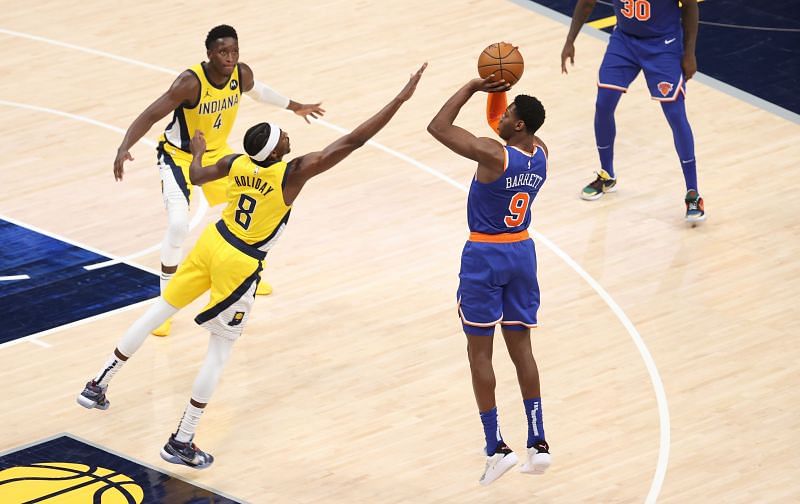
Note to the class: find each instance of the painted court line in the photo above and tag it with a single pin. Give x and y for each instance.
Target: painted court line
(198, 215)
(663, 410)
(11, 278)
(34, 338)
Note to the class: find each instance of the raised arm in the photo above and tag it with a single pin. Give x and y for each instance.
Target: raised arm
(265, 94)
(486, 151)
(301, 169)
(199, 174)
(582, 10)
(690, 18)
(184, 91)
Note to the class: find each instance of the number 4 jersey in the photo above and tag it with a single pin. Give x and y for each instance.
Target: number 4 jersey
(256, 211)
(503, 206)
(648, 18)
(213, 113)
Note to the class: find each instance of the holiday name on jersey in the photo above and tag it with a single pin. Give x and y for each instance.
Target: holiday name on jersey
(254, 182)
(524, 179)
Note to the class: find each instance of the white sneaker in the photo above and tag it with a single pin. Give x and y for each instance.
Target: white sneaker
(539, 459)
(498, 464)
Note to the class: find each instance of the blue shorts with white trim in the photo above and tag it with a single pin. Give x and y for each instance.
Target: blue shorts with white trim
(498, 285)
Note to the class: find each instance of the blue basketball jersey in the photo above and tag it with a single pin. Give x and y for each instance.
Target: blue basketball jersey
(648, 18)
(503, 205)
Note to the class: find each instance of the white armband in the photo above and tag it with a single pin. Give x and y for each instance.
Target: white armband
(265, 94)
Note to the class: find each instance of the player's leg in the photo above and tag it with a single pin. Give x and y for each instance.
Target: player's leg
(191, 280)
(661, 62)
(233, 276)
(176, 193)
(480, 309)
(617, 71)
(675, 112)
(180, 449)
(520, 307)
(94, 393)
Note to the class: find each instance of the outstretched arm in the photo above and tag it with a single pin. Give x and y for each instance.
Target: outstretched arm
(265, 94)
(582, 10)
(310, 165)
(459, 140)
(185, 90)
(199, 174)
(690, 17)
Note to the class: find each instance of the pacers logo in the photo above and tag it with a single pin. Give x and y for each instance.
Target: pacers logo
(237, 318)
(67, 482)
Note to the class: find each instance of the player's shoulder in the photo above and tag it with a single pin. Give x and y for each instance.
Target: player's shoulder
(246, 76)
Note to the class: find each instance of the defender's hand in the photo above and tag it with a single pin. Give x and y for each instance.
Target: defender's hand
(310, 109)
(122, 156)
(198, 143)
(411, 85)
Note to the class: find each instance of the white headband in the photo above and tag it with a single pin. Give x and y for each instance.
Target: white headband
(272, 141)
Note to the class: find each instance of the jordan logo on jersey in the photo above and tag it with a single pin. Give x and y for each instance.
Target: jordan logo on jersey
(665, 88)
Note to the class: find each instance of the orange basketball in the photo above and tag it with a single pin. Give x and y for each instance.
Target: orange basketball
(503, 60)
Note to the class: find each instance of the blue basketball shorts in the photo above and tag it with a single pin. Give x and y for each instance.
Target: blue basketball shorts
(497, 285)
(659, 58)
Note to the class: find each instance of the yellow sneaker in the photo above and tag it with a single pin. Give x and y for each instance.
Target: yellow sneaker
(264, 288)
(163, 329)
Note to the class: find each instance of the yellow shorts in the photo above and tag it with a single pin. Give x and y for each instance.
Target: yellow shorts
(179, 161)
(230, 268)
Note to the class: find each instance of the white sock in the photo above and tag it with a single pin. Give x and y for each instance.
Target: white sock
(191, 417)
(112, 365)
(165, 278)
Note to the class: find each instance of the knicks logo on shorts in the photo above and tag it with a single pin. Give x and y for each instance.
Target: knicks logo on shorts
(665, 88)
(237, 318)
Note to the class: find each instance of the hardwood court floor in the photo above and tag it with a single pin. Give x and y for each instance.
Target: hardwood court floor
(351, 382)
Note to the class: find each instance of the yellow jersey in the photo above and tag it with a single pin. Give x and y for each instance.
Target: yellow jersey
(213, 114)
(256, 212)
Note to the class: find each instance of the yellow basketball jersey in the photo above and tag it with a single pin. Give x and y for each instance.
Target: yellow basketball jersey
(256, 212)
(213, 115)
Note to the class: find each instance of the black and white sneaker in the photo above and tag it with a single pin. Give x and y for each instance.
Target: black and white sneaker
(538, 459)
(498, 463)
(94, 396)
(187, 454)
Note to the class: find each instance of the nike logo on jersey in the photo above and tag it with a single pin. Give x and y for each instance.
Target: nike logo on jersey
(668, 42)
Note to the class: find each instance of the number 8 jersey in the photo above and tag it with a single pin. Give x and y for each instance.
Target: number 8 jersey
(503, 206)
(256, 212)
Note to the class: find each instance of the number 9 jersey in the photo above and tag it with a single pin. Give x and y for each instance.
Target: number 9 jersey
(502, 206)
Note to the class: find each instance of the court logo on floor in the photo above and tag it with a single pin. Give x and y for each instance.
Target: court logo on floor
(65, 469)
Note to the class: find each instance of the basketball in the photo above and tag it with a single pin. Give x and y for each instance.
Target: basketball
(502, 59)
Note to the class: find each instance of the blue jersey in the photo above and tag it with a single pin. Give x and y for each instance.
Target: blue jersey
(503, 205)
(648, 18)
